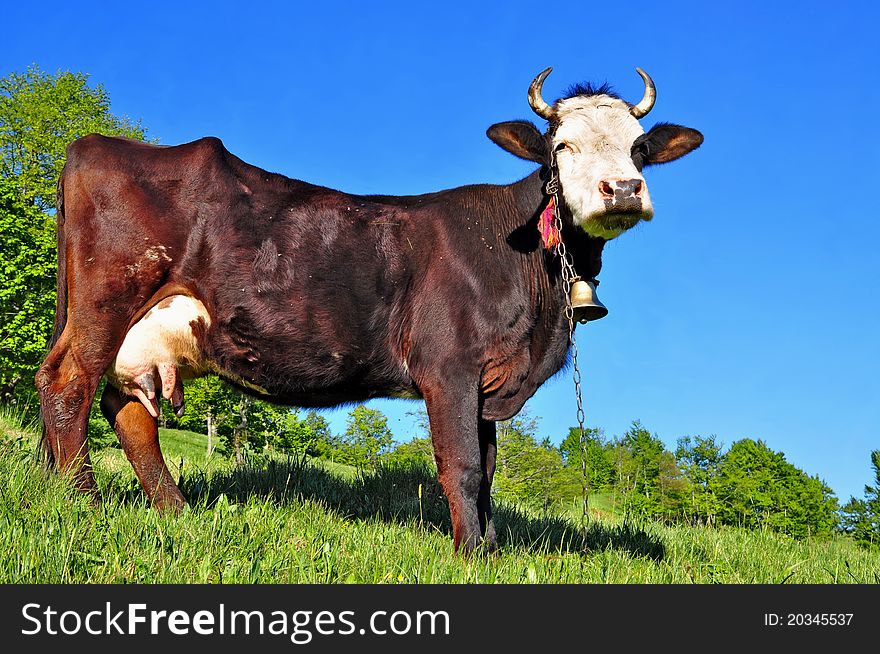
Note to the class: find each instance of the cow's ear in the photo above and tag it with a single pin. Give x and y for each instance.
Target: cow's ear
(666, 142)
(520, 138)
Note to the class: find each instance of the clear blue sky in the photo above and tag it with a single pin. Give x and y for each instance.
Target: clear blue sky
(747, 308)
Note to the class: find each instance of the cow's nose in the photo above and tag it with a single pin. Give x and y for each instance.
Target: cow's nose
(621, 188)
(630, 186)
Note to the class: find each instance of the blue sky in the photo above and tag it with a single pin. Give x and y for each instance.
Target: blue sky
(747, 308)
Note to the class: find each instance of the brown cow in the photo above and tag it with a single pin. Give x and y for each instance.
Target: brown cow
(183, 261)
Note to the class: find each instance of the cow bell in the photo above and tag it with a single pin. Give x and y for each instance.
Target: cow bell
(585, 302)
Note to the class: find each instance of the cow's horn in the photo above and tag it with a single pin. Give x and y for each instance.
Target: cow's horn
(642, 108)
(537, 103)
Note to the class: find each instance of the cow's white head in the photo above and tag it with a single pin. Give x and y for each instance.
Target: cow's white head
(598, 147)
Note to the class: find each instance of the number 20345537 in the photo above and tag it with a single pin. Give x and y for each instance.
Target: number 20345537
(808, 619)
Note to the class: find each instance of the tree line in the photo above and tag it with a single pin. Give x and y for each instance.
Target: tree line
(699, 482)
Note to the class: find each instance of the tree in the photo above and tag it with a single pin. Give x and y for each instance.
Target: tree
(366, 437)
(637, 458)
(204, 396)
(672, 486)
(270, 427)
(318, 439)
(758, 488)
(417, 451)
(40, 114)
(27, 289)
(600, 464)
(699, 459)
(861, 517)
(529, 471)
(283, 429)
(296, 434)
(746, 479)
(234, 416)
(245, 423)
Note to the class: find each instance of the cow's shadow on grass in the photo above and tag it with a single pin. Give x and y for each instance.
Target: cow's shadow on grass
(407, 494)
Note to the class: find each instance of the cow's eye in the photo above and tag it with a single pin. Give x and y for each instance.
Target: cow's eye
(563, 146)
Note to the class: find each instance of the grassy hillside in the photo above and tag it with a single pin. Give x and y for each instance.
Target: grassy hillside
(300, 521)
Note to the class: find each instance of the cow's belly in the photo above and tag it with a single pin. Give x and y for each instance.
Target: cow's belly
(307, 371)
(293, 364)
(160, 350)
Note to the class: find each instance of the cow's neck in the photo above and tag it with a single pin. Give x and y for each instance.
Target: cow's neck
(541, 279)
(585, 251)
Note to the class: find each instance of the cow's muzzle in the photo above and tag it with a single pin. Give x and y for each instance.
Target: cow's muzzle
(622, 195)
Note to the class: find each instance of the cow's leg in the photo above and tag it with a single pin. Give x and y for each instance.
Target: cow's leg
(488, 448)
(111, 261)
(67, 387)
(138, 433)
(452, 412)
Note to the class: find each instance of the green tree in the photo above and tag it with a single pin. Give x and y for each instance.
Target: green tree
(366, 437)
(302, 435)
(758, 488)
(417, 451)
(637, 459)
(40, 114)
(27, 290)
(746, 482)
(242, 423)
(699, 458)
(672, 486)
(205, 396)
(233, 421)
(529, 471)
(270, 427)
(861, 517)
(600, 463)
(644, 477)
(316, 439)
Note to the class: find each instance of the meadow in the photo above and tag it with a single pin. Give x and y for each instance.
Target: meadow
(302, 520)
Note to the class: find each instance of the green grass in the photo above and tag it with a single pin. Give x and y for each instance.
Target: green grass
(184, 451)
(300, 521)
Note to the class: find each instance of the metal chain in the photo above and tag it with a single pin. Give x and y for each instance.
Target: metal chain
(569, 276)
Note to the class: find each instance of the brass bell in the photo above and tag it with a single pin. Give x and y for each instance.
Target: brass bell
(585, 302)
